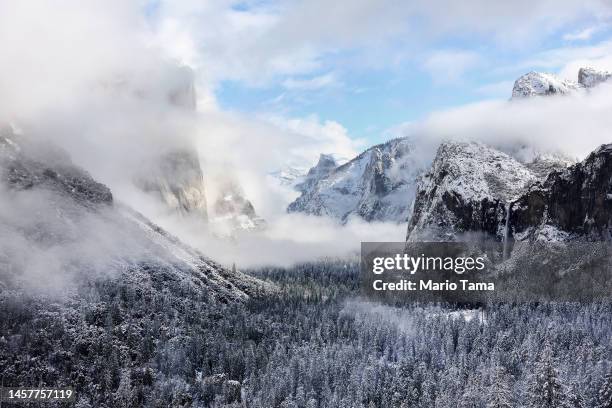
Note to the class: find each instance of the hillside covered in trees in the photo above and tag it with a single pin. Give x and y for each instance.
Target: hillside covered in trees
(315, 343)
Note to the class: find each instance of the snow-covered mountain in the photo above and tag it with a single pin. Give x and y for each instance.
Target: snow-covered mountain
(288, 176)
(377, 185)
(540, 83)
(466, 189)
(543, 84)
(56, 213)
(570, 203)
(233, 210)
(474, 189)
(176, 179)
(590, 77)
(324, 166)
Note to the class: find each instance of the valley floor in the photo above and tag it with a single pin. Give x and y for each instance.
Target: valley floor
(316, 343)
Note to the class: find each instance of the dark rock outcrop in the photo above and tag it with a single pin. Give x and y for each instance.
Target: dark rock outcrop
(472, 188)
(177, 180)
(22, 168)
(590, 77)
(466, 190)
(575, 201)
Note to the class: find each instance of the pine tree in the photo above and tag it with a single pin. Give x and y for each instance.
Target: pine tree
(545, 390)
(501, 394)
(604, 397)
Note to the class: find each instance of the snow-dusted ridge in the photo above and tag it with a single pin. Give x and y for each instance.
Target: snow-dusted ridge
(377, 185)
(475, 189)
(545, 84)
(540, 84)
(466, 189)
(92, 235)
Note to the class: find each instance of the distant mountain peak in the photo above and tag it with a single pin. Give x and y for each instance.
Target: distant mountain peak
(590, 77)
(233, 210)
(324, 166)
(542, 84)
(545, 84)
(377, 185)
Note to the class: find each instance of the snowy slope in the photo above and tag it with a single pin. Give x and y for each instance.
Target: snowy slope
(324, 166)
(80, 234)
(176, 179)
(540, 84)
(466, 190)
(575, 202)
(288, 176)
(474, 189)
(377, 185)
(543, 84)
(232, 211)
(590, 77)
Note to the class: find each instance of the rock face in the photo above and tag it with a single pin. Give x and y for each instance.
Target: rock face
(54, 212)
(324, 166)
(233, 209)
(176, 177)
(22, 169)
(541, 84)
(544, 84)
(466, 190)
(590, 77)
(178, 181)
(474, 189)
(377, 185)
(574, 202)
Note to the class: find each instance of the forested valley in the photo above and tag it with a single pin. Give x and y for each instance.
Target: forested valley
(315, 343)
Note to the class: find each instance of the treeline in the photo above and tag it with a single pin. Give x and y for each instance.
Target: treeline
(314, 344)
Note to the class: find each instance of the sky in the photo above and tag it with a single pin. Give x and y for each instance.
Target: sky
(280, 81)
(372, 65)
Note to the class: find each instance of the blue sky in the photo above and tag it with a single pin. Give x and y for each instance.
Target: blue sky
(373, 65)
(368, 101)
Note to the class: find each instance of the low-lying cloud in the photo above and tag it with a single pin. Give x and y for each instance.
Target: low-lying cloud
(98, 78)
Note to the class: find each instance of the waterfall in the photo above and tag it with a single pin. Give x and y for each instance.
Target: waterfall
(506, 232)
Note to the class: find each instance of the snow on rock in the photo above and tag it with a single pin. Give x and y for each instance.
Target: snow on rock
(288, 176)
(569, 203)
(540, 84)
(79, 232)
(176, 179)
(474, 189)
(377, 185)
(466, 190)
(324, 166)
(21, 167)
(232, 211)
(590, 77)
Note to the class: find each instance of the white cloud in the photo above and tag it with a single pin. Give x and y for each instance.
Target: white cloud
(254, 147)
(90, 76)
(271, 40)
(289, 239)
(581, 35)
(573, 125)
(311, 84)
(448, 66)
(557, 58)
